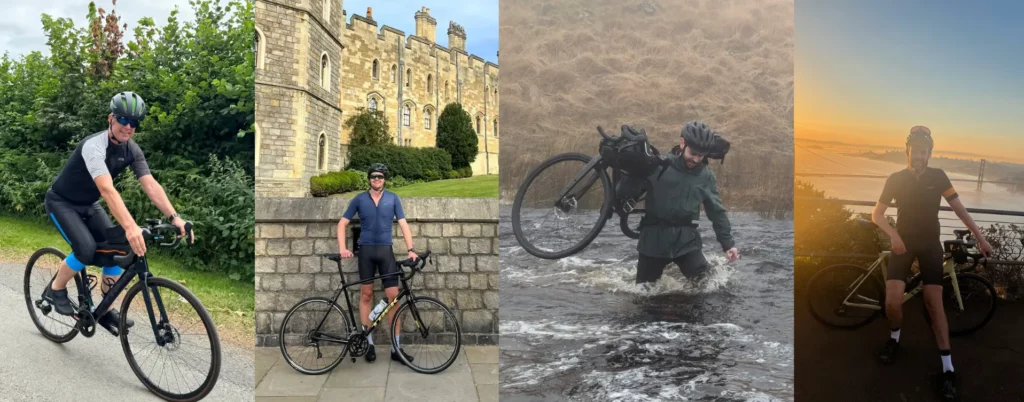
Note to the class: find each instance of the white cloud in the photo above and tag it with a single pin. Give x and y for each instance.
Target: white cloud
(21, 27)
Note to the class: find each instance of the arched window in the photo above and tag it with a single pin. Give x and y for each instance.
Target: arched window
(257, 48)
(406, 113)
(321, 153)
(408, 77)
(430, 84)
(478, 131)
(427, 116)
(376, 70)
(495, 128)
(446, 90)
(394, 73)
(373, 105)
(325, 71)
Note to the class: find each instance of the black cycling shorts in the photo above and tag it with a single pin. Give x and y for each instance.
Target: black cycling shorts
(692, 264)
(374, 259)
(929, 259)
(82, 226)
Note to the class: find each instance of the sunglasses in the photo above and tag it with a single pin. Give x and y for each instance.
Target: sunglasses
(377, 176)
(124, 121)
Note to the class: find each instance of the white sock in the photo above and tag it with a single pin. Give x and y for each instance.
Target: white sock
(895, 334)
(947, 363)
(369, 337)
(396, 345)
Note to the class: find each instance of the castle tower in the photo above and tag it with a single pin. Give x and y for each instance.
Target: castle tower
(456, 36)
(426, 26)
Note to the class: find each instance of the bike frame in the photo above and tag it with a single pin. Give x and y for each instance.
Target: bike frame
(576, 179)
(139, 268)
(405, 292)
(882, 262)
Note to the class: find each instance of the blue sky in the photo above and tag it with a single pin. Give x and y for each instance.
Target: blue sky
(872, 69)
(478, 18)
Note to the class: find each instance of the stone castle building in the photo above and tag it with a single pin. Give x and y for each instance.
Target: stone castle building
(314, 69)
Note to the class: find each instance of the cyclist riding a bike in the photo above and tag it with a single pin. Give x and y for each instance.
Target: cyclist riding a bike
(675, 194)
(917, 191)
(72, 202)
(377, 208)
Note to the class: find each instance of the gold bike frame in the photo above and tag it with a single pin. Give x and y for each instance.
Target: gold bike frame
(882, 262)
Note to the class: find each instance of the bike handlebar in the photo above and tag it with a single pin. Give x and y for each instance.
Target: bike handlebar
(415, 266)
(154, 228)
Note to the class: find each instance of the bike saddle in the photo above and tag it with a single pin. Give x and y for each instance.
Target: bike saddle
(866, 224)
(332, 257)
(961, 233)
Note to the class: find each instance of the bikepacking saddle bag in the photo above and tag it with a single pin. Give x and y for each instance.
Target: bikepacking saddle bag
(632, 153)
(115, 243)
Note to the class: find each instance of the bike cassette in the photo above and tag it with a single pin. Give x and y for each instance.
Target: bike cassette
(358, 345)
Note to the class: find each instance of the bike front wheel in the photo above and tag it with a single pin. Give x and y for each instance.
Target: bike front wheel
(430, 334)
(314, 334)
(40, 271)
(178, 358)
(979, 303)
(830, 293)
(551, 226)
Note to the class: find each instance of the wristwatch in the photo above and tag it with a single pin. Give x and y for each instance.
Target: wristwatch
(174, 215)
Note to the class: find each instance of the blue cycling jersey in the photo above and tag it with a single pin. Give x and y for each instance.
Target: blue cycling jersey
(375, 219)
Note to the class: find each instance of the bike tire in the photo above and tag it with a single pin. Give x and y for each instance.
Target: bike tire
(411, 305)
(282, 336)
(831, 295)
(606, 208)
(624, 225)
(31, 294)
(963, 278)
(215, 353)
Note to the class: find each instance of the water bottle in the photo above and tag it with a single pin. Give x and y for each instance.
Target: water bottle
(377, 310)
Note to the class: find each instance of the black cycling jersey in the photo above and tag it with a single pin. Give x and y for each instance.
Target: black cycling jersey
(95, 156)
(917, 200)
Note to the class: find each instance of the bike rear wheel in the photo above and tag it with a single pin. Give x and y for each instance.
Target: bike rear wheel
(429, 333)
(39, 273)
(629, 222)
(184, 334)
(304, 329)
(979, 301)
(577, 218)
(828, 288)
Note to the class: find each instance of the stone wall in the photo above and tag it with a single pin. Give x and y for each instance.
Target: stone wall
(291, 233)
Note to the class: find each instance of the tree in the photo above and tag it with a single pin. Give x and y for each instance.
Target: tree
(455, 134)
(369, 127)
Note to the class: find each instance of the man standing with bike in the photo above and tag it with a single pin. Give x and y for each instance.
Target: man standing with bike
(674, 197)
(377, 208)
(73, 201)
(917, 191)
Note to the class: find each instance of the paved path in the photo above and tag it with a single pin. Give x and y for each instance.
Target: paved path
(32, 368)
(473, 377)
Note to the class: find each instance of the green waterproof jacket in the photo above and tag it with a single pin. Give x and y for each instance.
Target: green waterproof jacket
(674, 197)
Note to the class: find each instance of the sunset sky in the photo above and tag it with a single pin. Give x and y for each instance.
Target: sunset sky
(867, 71)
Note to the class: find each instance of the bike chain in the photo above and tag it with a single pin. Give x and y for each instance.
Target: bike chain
(358, 345)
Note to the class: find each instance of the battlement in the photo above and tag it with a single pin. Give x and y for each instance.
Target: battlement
(423, 40)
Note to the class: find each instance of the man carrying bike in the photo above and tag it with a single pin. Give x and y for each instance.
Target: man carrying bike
(674, 197)
(377, 208)
(72, 202)
(917, 191)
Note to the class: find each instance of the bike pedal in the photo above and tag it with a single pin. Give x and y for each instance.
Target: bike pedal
(629, 205)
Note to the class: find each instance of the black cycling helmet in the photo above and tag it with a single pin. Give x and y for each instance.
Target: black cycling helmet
(379, 168)
(128, 104)
(920, 135)
(699, 137)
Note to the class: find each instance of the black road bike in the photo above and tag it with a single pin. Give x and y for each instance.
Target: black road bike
(317, 334)
(571, 184)
(173, 347)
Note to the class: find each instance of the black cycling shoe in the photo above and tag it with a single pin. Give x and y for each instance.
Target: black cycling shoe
(888, 353)
(394, 356)
(59, 300)
(110, 320)
(947, 386)
(371, 354)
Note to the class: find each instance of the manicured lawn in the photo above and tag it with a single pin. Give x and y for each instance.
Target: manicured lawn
(483, 186)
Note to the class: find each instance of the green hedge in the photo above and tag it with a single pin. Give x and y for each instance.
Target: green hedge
(426, 164)
(337, 182)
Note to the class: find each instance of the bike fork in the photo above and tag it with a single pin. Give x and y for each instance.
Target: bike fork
(144, 278)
